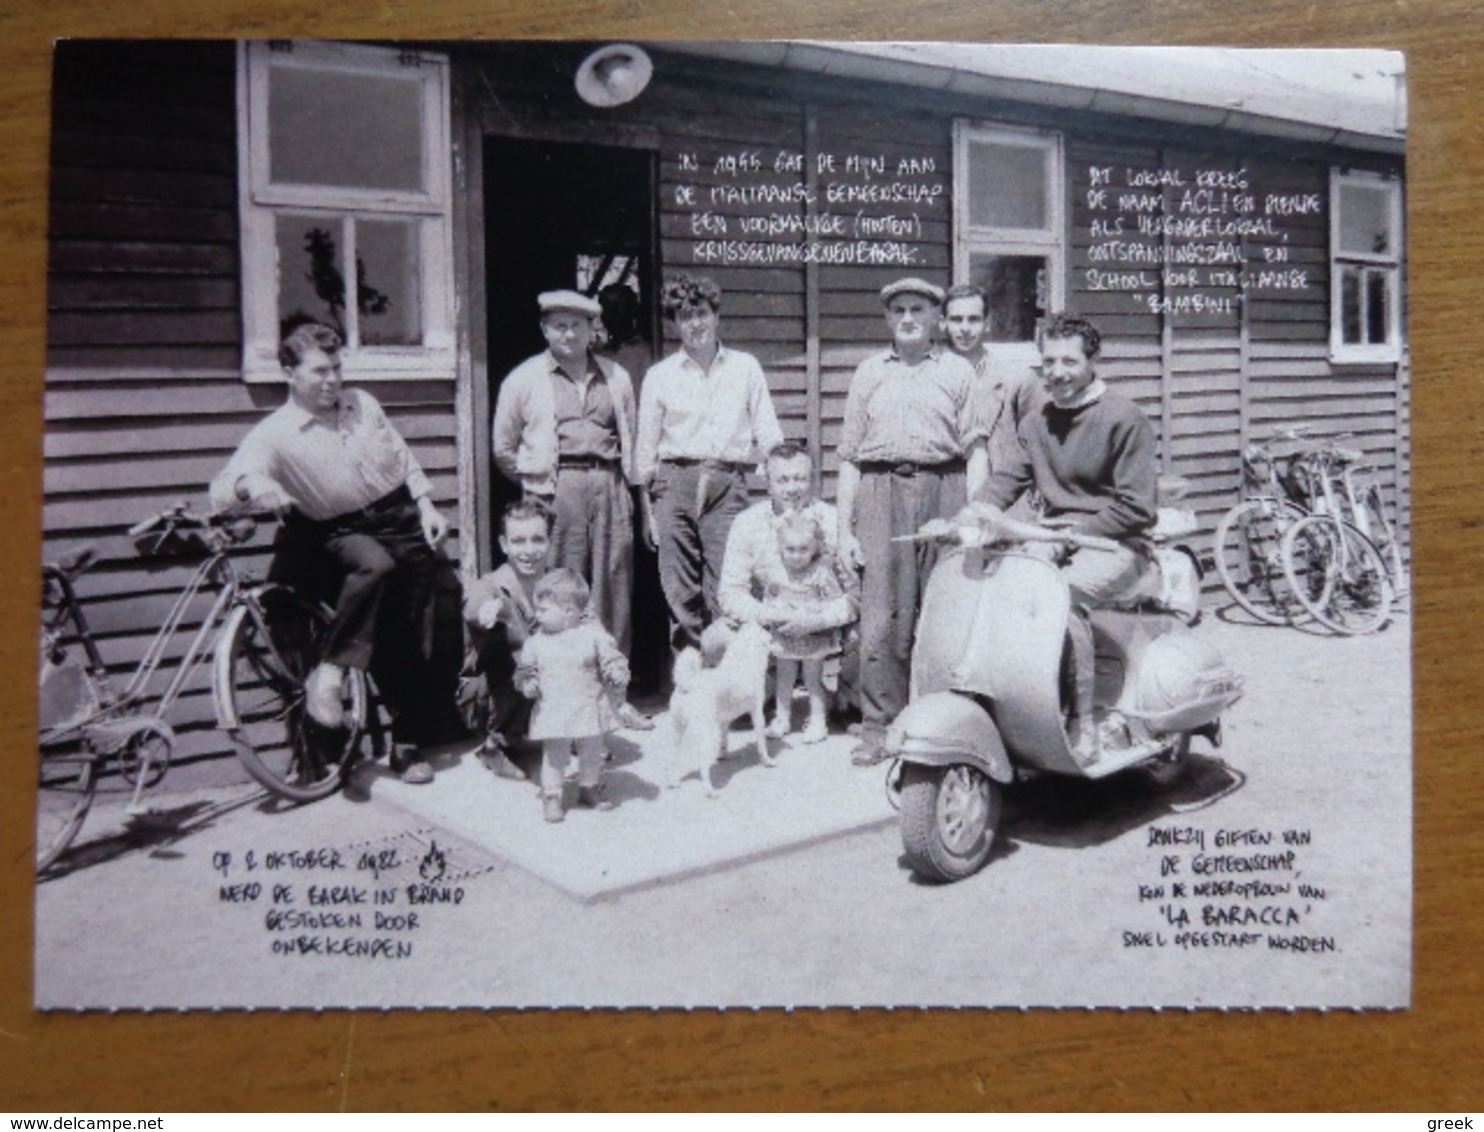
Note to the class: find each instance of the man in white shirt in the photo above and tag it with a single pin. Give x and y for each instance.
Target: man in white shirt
(705, 420)
(359, 525)
(965, 320)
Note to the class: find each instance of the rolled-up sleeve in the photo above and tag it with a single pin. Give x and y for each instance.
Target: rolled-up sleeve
(853, 428)
(766, 432)
(651, 418)
(252, 458)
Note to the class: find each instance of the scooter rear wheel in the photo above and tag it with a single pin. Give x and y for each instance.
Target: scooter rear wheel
(949, 818)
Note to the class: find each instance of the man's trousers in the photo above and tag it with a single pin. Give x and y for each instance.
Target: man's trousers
(396, 608)
(693, 506)
(593, 534)
(890, 503)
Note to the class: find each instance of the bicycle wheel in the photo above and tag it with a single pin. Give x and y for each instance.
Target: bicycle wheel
(63, 796)
(1337, 574)
(1249, 558)
(267, 649)
(1380, 531)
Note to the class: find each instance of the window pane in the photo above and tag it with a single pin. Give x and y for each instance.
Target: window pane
(387, 259)
(1377, 307)
(349, 130)
(311, 285)
(1350, 306)
(1016, 286)
(1007, 186)
(1365, 219)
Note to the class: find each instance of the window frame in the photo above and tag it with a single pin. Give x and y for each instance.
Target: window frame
(261, 202)
(1390, 350)
(1049, 241)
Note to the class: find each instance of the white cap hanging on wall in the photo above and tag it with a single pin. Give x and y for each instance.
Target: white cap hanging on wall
(613, 75)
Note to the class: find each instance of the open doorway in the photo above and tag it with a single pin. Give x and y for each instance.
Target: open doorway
(581, 217)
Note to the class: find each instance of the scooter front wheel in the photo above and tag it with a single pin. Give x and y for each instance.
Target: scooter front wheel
(949, 818)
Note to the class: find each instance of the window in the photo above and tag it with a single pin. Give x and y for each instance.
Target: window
(1365, 272)
(344, 191)
(1008, 224)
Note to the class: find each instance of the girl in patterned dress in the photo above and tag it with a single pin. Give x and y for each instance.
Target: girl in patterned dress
(806, 603)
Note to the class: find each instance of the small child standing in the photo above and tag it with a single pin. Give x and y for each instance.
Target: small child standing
(571, 669)
(806, 603)
(500, 611)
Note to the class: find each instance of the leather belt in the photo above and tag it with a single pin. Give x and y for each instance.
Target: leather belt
(586, 462)
(376, 509)
(908, 468)
(734, 466)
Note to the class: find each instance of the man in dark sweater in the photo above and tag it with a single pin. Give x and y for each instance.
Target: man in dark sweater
(1090, 452)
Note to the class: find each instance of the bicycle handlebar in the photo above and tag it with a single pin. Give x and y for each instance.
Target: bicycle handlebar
(174, 529)
(76, 562)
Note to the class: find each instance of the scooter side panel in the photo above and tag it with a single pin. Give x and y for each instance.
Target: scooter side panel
(993, 624)
(1026, 616)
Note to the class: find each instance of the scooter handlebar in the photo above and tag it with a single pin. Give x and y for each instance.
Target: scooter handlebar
(979, 529)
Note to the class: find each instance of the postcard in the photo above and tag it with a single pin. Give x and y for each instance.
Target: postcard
(724, 524)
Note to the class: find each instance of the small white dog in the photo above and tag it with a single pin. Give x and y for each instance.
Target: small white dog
(707, 700)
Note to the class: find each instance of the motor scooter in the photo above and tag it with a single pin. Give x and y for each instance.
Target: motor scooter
(992, 687)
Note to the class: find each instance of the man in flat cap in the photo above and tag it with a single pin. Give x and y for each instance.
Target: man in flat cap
(705, 422)
(564, 431)
(912, 448)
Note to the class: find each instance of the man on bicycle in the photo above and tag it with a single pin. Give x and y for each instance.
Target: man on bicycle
(1090, 452)
(359, 527)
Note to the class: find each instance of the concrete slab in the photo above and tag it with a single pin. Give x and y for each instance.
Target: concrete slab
(654, 835)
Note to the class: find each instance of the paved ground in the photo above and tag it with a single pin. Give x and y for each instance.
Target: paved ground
(820, 914)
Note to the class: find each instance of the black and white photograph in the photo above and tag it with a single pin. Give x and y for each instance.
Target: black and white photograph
(724, 524)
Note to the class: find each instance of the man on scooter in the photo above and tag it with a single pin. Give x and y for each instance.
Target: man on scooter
(1090, 452)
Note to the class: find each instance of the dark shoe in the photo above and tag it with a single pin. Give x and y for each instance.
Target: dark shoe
(593, 798)
(870, 751)
(552, 808)
(408, 766)
(493, 756)
(631, 718)
(416, 774)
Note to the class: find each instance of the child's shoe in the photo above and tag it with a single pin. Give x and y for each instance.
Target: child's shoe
(779, 727)
(815, 730)
(552, 808)
(593, 798)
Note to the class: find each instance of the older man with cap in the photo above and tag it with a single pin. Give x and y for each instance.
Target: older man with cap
(706, 419)
(564, 431)
(912, 448)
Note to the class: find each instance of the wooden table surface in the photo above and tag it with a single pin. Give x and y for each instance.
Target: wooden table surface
(1427, 1058)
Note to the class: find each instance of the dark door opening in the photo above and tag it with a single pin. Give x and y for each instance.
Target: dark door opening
(561, 215)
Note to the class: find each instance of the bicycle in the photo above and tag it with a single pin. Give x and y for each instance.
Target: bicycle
(1343, 561)
(266, 641)
(1249, 537)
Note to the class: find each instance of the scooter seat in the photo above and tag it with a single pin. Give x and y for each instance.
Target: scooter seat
(1172, 583)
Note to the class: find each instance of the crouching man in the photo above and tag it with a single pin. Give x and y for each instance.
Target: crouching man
(360, 528)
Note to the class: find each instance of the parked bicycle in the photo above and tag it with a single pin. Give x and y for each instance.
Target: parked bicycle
(264, 640)
(1311, 540)
(1343, 561)
(1249, 537)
